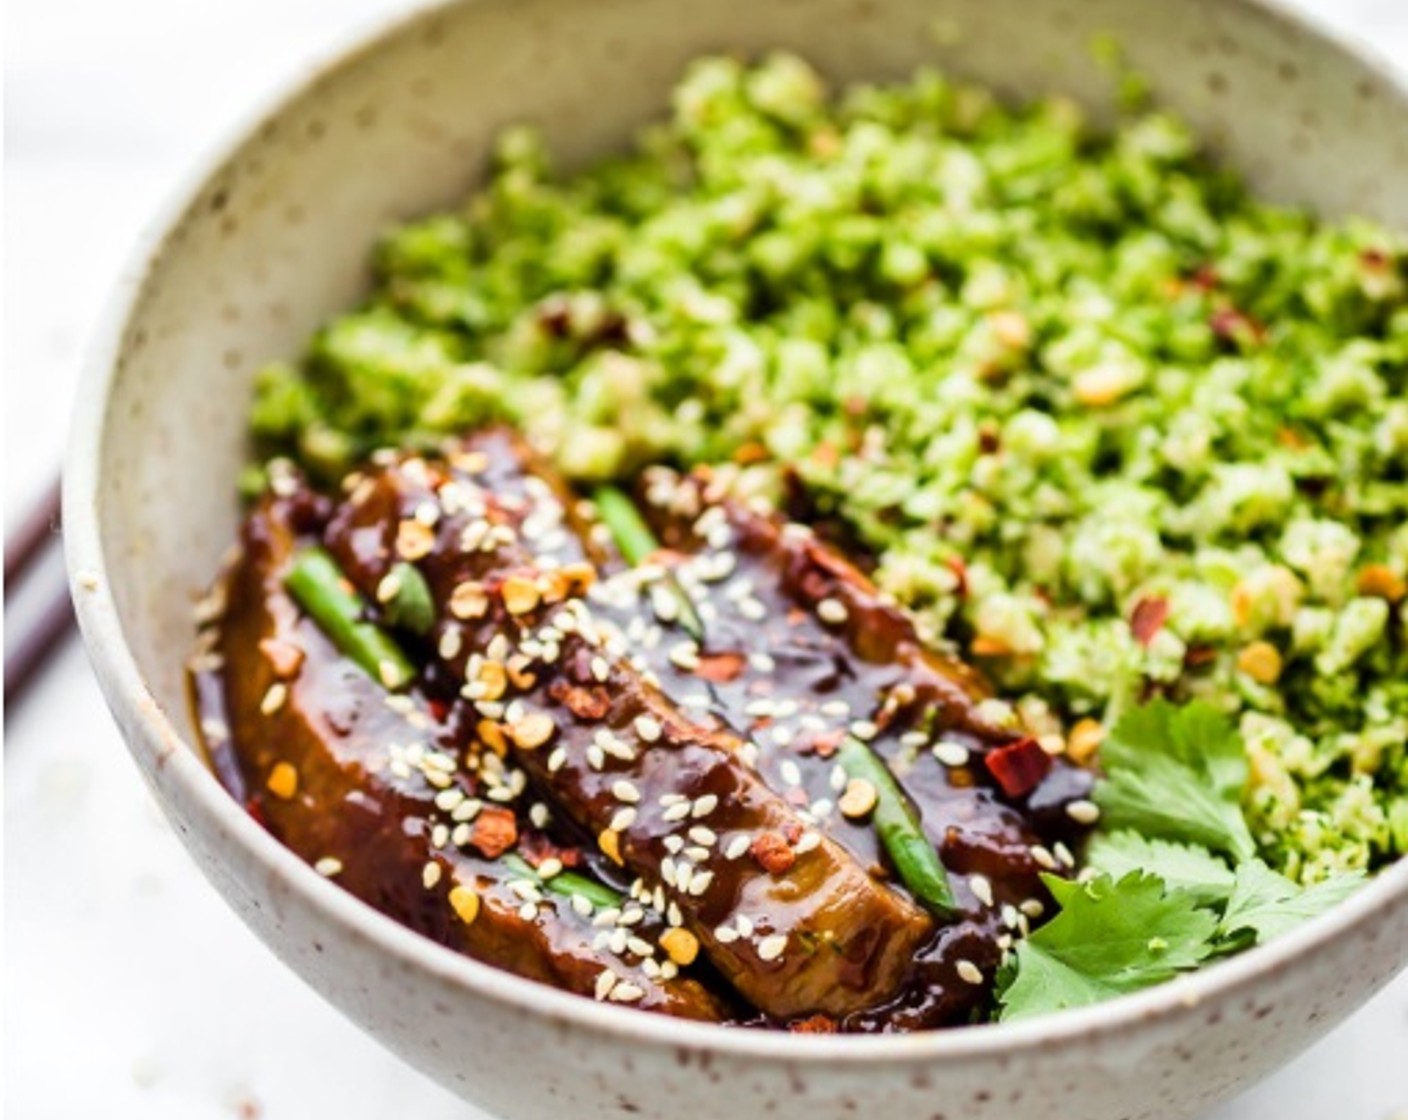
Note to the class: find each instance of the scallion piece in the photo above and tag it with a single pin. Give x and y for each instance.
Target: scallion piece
(411, 607)
(637, 543)
(320, 588)
(567, 883)
(898, 826)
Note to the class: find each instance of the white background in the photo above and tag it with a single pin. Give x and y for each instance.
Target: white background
(129, 989)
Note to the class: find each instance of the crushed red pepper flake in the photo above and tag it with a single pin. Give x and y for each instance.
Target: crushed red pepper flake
(1019, 767)
(720, 668)
(537, 847)
(585, 703)
(1148, 618)
(814, 1024)
(773, 853)
(495, 831)
(959, 569)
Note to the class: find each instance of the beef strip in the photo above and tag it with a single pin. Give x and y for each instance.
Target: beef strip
(677, 805)
(801, 649)
(370, 788)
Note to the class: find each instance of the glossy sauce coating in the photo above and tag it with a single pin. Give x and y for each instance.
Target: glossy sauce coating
(699, 781)
(676, 805)
(377, 792)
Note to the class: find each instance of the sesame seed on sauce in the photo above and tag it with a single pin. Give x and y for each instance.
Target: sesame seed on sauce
(704, 805)
(969, 972)
(430, 874)
(1083, 811)
(832, 611)
(274, 699)
(772, 947)
(328, 867)
(1043, 857)
(622, 819)
(738, 846)
(625, 791)
(981, 887)
(953, 755)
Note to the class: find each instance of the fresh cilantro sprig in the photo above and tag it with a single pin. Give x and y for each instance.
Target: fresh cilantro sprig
(1177, 773)
(1173, 883)
(1111, 937)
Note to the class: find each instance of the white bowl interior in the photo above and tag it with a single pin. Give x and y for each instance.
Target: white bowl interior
(276, 238)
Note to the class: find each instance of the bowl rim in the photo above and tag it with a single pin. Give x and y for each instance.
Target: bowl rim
(164, 749)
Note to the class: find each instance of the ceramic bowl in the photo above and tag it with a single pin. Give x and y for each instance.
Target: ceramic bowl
(273, 235)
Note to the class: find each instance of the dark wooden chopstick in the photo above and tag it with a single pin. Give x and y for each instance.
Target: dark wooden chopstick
(32, 635)
(35, 530)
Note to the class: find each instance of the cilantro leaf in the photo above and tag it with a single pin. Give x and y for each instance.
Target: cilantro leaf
(1265, 904)
(1176, 773)
(1111, 936)
(1182, 867)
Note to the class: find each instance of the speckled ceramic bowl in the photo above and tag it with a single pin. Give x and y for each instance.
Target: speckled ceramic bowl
(273, 237)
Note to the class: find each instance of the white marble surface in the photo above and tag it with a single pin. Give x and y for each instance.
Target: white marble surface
(129, 989)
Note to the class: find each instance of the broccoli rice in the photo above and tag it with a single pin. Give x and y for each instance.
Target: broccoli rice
(1110, 426)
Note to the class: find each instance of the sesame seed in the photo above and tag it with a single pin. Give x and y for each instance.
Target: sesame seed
(725, 935)
(684, 876)
(389, 587)
(647, 728)
(328, 866)
(550, 867)
(806, 842)
(705, 805)
(1063, 855)
(430, 874)
(640, 947)
(770, 948)
(738, 846)
(981, 888)
(703, 834)
(1043, 857)
(752, 609)
(626, 993)
(968, 971)
(699, 883)
(1033, 908)
(274, 698)
(744, 925)
(951, 754)
(858, 800)
(605, 981)
(581, 905)
(617, 941)
(557, 759)
(673, 915)
(791, 773)
(832, 611)
(467, 809)
(622, 819)
(606, 917)
(625, 791)
(439, 836)
(676, 812)
(1083, 811)
(673, 844)
(447, 799)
